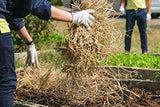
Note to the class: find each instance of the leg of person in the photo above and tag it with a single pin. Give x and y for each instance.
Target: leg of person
(130, 22)
(142, 25)
(8, 77)
(6, 99)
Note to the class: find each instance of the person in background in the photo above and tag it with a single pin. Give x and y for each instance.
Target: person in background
(12, 13)
(140, 11)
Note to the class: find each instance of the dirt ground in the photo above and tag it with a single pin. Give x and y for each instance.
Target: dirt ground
(147, 99)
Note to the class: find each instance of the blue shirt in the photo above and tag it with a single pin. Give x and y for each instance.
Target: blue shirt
(15, 10)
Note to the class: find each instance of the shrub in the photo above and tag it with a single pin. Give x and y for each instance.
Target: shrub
(56, 2)
(36, 27)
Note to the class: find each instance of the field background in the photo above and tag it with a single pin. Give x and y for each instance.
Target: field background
(153, 33)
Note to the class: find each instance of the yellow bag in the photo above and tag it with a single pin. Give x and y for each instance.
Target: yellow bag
(4, 26)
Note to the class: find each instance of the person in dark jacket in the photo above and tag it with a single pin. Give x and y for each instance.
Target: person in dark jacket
(12, 13)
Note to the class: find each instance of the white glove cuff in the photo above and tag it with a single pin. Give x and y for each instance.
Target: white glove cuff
(75, 17)
(29, 43)
(148, 13)
(31, 46)
(121, 7)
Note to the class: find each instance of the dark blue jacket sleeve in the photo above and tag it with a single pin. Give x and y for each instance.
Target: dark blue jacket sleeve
(21, 8)
(39, 8)
(16, 24)
(42, 9)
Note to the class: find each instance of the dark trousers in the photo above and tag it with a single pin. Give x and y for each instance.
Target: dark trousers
(140, 17)
(8, 77)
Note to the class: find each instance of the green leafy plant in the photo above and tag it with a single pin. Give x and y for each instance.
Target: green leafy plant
(18, 42)
(41, 31)
(36, 27)
(139, 77)
(157, 76)
(157, 49)
(134, 60)
(55, 39)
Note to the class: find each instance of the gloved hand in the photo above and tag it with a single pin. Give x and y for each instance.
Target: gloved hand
(122, 10)
(32, 58)
(83, 17)
(148, 17)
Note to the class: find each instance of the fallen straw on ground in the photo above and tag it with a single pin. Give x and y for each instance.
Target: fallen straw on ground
(83, 82)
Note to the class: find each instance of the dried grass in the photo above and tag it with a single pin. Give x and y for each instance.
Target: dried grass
(83, 82)
(103, 39)
(46, 86)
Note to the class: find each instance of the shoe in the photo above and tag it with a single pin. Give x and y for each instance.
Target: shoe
(127, 51)
(145, 53)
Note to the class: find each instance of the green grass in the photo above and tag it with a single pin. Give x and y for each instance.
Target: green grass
(49, 57)
(53, 57)
(19, 63)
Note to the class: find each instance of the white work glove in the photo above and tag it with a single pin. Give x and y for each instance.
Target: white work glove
(32, 58)
(83, 17)
(148, 17)
(122, 10)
